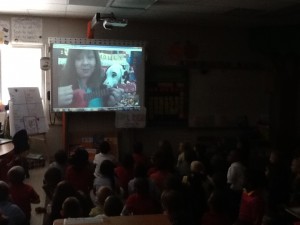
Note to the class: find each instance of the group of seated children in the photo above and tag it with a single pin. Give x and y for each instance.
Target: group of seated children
(220, 186)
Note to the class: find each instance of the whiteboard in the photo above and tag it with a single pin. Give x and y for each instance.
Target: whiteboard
(26, 111)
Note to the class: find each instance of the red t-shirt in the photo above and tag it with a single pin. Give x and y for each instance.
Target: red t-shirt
(124, 176)
(159, 177)
(23, 195)
(80, 179)
(139, 159)
(252, 208)
(139, 205)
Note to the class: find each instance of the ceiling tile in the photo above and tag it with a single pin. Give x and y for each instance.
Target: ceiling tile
(42, 12)
(101, 3)
(84, 9)
(132, 4)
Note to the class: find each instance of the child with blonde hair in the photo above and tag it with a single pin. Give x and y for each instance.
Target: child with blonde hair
(101, 194)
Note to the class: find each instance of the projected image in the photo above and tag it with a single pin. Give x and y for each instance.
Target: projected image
(97, 78)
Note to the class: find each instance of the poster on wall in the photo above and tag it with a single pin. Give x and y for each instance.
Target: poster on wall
(131, 119)
(4, 32)
(26, 30)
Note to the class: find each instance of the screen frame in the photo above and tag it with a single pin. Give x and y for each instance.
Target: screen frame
(96, 44)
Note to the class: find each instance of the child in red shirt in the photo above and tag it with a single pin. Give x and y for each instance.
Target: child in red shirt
(22, 194)
(140, 202)
(252, 207)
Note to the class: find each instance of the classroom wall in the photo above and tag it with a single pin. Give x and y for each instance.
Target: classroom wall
(217, 46)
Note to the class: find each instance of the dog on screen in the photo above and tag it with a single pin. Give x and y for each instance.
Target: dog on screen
(115, 74)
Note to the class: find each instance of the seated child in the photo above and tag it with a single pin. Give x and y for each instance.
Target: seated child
(252, 207)
(102, 193)
(141, 202)
(71, 208)
(216, 213)
(22, 194)
(113, 206)
(60, 162)
(10, 212)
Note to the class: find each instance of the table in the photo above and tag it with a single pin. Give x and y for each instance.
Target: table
(5, 147)
(6, 155)
(157, 219)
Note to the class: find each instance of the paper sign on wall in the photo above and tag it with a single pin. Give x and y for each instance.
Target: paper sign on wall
(26, 30)
(131, 119)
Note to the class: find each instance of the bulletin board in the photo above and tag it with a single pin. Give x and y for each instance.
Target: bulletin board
(26, 111)
(167, 96)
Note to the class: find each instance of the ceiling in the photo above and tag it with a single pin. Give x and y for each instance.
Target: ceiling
(200, 12)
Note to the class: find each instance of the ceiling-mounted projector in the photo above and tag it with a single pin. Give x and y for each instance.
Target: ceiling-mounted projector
(109, 21)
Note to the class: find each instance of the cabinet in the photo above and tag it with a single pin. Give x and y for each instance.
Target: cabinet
(88, 129)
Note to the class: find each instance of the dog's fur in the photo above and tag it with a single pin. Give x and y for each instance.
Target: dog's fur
(115, 74)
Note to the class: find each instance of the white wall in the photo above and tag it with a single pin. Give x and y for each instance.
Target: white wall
(214, 45)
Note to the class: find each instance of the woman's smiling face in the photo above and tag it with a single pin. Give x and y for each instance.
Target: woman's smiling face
(85, 64)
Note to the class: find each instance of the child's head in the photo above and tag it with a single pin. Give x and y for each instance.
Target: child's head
(21, 141)
(71, 208)
(127, 161)
(104, 147)
(113, 206)
(52, 176)
(16, 175)
(61, 157)
(172, 201)
(141, 186)
(102, 193)
(197, 167)
(254, 180)
(4, 191)
(274, 156)
(234, 156)
(138, 147)
(80, 158)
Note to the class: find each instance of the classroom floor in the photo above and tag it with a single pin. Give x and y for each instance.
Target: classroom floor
(36, 180)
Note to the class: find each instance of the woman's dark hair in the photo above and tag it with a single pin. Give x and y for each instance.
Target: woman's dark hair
(69, 71)
(107, 170)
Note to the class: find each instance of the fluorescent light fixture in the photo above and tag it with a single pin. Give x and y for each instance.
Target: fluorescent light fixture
(131, 4)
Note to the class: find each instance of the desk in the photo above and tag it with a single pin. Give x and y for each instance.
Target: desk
(6, 155)
(5, 147)
(158, 219)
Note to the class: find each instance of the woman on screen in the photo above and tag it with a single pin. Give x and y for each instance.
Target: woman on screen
(81, 83)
